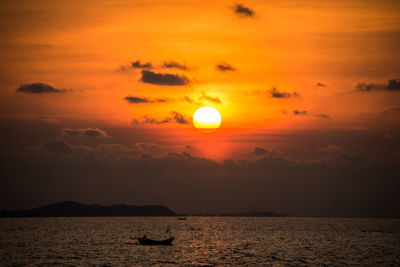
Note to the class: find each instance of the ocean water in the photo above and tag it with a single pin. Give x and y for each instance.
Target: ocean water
(200, 241)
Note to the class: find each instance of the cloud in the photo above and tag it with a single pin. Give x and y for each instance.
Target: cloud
(146, 146)
(243, 11)
(299, 112)
(367, 87)
(39, 88)
(178, 118)
(141, 100)
(139, 65)
(174, 65)
(392, 85)
(209, 98)
(55, 145)
(225, 67)
(163, 79)
(174, 117)
(278, 94)
(392, 110)
(322, 116)
(388, 136)
(90, 132)
(259, 151)
(136, 100)
(331, 149)
(320, 84)
(188, 99)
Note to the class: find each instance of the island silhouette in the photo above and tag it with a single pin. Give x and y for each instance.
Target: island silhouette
(76, 209)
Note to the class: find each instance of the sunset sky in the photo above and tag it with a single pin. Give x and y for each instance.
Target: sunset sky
(97, 100)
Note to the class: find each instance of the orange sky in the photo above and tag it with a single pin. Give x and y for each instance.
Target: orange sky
(97, 99)
(287, 45)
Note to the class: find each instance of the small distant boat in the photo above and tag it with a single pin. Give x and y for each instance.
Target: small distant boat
(182, 218)
(150, 242)
(147, 241)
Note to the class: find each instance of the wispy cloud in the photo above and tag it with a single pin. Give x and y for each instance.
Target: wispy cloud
(322, 116)
(174, 117)
(141, 100)
(300, 112)
(209, 98)
(139, 65)
(39, 88)
(174, 65)
(391, 85)
(243, 11)
(90, 132)
(281, 94)
(163, 79)
(225, 67)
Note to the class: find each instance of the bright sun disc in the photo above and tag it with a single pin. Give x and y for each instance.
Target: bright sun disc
(207, 119)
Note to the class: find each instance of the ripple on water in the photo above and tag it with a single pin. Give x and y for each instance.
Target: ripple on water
(203, 241)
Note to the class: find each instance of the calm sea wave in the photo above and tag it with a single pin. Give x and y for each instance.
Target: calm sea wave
(200, 241)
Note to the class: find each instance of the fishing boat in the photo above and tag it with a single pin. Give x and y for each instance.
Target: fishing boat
(147, 241)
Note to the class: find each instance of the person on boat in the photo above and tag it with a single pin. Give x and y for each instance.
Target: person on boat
(144, 237)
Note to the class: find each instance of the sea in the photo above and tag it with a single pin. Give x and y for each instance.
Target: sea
(199, 241)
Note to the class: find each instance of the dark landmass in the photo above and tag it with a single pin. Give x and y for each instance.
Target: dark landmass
(75, 209)
(240, 214)
(255, 214)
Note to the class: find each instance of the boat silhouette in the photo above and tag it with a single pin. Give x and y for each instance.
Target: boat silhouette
(150, 242)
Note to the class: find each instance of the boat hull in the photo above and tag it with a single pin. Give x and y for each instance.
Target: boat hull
(150, 242)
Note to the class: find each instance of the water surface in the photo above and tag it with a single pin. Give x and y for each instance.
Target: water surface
(201, 241)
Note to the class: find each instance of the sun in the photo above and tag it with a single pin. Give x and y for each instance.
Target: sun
(207, 119)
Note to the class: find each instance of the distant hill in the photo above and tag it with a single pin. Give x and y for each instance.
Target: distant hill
(75, 209)
(255, 214)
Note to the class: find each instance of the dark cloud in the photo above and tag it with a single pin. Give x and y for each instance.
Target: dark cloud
(149, 120)
(209, 98)
(392, 85)
(39, 88)
(178, 118)
(90, 132)
(311, 188)
(136, 100)
(322, 184)
(140, 100)
(392, 110)
(146, 146)
(225, 67)
(322, 116)
(299, 112)
(259, 151)
(163, 79)
(174, 65)
(139, 65)
(367, 87)
(320, 84)
(332, 149)
(339, 153)
(174, 117)
(56, 146)
(243, 11)
(278, 94)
